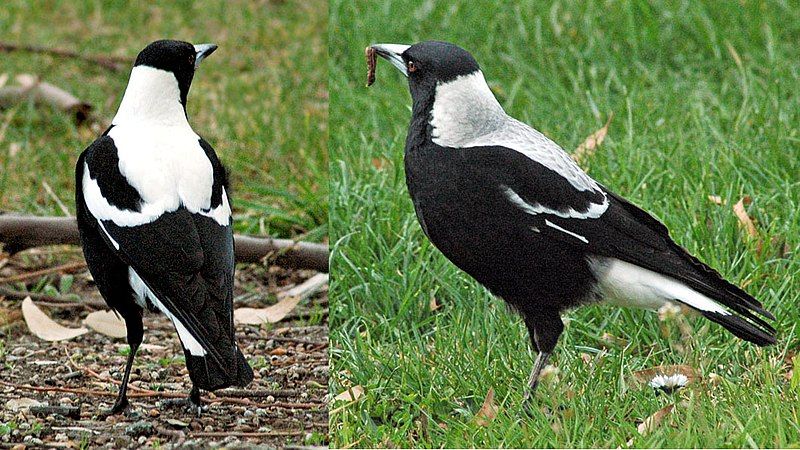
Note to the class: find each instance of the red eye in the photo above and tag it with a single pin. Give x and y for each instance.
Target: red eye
(411, 66)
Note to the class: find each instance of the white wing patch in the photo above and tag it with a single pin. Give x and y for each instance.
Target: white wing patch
(101, 209)
(143, 293)
(575, 235)
(222, 213)
(594, 211)
(625, 284)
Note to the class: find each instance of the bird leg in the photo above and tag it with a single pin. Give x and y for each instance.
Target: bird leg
(194, 401)
(533, 380)
(122, 398)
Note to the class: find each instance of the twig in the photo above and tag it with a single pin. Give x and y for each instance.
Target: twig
(22, 232)
(68, 267)
(115, 63)
(55, 198)
(246, 434)
(73, 412)
(49, 300)
(45, 93)
(259, 394)
(297, 341)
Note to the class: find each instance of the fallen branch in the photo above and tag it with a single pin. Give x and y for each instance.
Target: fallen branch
(66, 268)
(22, 232)
(115, 63)
(49, 300)
(44, 93)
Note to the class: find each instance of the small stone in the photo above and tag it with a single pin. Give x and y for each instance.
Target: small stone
(24, 426)
(139, 428)
(208, 428)
(61, 437)
(142, 440)
(65, 401)
(270, 399)
(37, 442)
(248, 413)
(261, 412)
(154, 412)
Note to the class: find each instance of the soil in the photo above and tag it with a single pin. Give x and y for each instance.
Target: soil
(71, 383)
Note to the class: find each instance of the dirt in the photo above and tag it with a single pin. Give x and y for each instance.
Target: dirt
(77, 380)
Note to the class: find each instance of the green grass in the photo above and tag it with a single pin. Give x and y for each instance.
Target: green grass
(705, 98)
(260, 100)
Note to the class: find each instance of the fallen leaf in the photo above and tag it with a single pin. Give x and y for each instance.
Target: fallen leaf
(716, 199)
(488, 410)
(177, 423)
(280, 351)
(588, 147)
(432, 305)
(379, 163)
(744, 218)
(353, 393)
(107, 323)
(651, 423)
(644, 376)
(44, 327)
(20, 404)
(290, 300)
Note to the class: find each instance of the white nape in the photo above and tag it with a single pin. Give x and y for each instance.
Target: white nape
(466, 114)
(594, 211)
(143, 293)
(152, 96)
(625, 284)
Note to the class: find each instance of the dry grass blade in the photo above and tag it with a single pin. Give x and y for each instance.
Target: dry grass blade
(744, 218)
(488, 410)
(651, 423)
(44, 327)
(588, 147)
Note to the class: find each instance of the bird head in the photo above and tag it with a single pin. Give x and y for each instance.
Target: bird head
(447, 87)
(161, 78)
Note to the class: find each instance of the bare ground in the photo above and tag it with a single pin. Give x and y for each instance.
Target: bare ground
(74, 381)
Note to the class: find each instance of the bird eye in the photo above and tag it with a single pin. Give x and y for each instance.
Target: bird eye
(411, 66)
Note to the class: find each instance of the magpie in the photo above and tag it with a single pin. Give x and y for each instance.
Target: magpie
(155, 220)
(510, 208)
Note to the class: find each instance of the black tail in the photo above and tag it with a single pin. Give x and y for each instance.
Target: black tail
(208, 375)
(760, 334)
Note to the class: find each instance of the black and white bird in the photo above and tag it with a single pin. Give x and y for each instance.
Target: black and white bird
(155, 220)
(508, 206)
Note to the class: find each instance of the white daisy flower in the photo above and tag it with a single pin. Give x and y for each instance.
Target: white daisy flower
(669, 383)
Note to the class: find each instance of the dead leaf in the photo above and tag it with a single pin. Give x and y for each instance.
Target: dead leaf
(488, 410)
(588, 147)
(353, 393)
(651, 423)
(290, 300)
(716, 199)
(644, 376)
(280, 351)
(107, 323)
(432, 305)
(44, 327)
(379, 163)
(744, 218)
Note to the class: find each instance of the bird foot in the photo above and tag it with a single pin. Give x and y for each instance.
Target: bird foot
(192, 405)
(120, 406)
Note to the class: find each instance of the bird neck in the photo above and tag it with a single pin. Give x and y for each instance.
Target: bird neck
(152, 96)
(463, 110)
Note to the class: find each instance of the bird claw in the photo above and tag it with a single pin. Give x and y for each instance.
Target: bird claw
(120, 406)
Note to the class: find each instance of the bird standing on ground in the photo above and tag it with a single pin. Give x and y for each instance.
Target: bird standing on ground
(155, 220)
(508, 206)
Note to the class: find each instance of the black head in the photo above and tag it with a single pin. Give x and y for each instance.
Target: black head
(180, 58)
(428, 64)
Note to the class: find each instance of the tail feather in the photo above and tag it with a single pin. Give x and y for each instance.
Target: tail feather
(744, 329)
(209, 376)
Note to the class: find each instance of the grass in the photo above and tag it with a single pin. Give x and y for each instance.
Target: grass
(705, 102)
(261, 100)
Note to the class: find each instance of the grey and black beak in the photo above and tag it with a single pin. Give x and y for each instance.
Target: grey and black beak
(203, 50)
(394, 54)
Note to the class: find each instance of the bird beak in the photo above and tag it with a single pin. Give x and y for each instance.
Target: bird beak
(203, 50)
(394, 54)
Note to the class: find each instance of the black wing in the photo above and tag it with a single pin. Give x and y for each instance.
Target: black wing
(623, 231)
(187, 260)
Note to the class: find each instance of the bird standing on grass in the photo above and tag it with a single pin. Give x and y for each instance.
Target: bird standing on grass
(155, 220)
(508, 206)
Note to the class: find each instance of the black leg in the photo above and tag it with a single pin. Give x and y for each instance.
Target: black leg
(544, 330)
(135, 334)
(195, 404)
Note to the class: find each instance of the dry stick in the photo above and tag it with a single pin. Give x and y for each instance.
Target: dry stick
(22, 232)
(49, 300)
(45, 93)
(68, 267)
(115, 63)
(162, 394)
